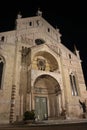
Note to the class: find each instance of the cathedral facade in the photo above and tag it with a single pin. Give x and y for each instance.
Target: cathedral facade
(37, 72)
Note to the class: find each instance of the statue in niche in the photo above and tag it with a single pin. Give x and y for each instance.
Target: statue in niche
(83, 105)
(39, 23)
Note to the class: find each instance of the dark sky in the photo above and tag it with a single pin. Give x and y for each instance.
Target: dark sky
(70, 17)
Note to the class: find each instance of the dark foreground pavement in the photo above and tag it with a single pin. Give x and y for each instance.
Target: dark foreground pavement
(48, 125)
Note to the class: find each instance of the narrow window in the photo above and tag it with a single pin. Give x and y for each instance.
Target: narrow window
(69, 56)
(48, 29)
(73, 85)
(71, 82)
(30, 23)
(2, 38)
(1, 71)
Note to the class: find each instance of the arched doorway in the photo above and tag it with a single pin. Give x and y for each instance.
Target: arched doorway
(46, 96)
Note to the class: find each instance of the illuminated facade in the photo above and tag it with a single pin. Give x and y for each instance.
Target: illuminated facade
(38, 72)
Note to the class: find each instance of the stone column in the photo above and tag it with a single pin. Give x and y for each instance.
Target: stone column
(21, 107)
(12, 108)
(31, 100)
(28, 102)
(62, 99)
(58, 110)
(60, 106)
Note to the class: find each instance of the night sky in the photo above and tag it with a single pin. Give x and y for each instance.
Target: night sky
(70, 17)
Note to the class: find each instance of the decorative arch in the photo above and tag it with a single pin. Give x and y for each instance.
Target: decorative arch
(47, 94)
(2, 64)
(47, 84)
(46, 61)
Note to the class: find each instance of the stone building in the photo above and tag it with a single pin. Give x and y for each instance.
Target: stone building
(37, 72)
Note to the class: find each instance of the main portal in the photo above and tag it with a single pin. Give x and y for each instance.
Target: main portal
(41, 108)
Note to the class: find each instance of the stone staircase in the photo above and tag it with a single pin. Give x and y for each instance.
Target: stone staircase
(80, 124)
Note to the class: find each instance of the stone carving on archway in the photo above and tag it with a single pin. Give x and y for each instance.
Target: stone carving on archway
(45, 61)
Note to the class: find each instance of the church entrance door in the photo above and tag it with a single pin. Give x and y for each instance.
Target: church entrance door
(41, 108)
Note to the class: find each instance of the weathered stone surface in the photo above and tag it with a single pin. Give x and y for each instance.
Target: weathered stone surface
(33, 39)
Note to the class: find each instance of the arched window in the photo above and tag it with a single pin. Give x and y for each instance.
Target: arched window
(1, 70)
(73, 84)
